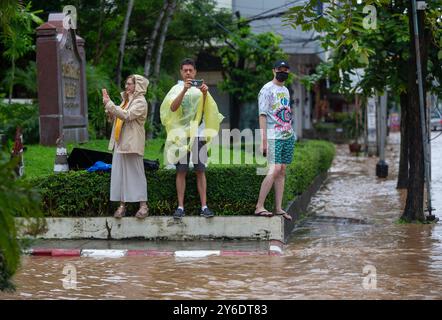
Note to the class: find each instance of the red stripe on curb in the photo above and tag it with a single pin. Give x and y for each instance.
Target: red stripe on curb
(66, 252)
(243, 253)
(55, 252)
(41, 252)
(149, 253)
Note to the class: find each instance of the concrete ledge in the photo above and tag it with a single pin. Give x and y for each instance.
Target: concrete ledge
(167, 228)
(189, 228)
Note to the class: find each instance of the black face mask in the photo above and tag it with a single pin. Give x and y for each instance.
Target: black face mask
(281, 76)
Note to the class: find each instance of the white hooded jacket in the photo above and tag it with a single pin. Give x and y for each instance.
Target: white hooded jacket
(132, 137)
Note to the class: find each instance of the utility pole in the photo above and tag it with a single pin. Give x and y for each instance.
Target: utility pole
(425, 141)
(371, 125)
(382, 166)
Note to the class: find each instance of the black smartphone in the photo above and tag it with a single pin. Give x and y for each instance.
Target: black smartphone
(196, 83)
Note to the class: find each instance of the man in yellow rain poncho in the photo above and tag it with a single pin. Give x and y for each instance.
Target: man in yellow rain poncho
(191, 118)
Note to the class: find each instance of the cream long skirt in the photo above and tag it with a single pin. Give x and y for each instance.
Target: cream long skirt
(128, 179)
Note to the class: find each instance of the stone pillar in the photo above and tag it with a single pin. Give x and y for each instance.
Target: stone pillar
(371, 126)
(61, 77)
(298, 99)
(307, 109)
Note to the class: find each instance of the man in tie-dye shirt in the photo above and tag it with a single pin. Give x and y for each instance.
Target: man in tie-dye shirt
(277, 137)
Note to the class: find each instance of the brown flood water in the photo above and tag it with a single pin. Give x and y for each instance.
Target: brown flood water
(351, 248)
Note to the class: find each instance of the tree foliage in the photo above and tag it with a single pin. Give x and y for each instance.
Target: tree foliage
(383, 47)
(17, 198)
(375, 40)
(17, 36)
(247, 60)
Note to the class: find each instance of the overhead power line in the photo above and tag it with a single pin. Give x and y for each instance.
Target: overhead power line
(273, 9)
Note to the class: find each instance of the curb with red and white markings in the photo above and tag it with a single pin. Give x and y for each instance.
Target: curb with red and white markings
(275, 249)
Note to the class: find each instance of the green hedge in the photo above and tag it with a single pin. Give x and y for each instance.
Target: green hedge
(232, 190)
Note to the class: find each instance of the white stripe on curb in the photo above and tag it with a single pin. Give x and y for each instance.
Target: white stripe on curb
(276, 248)
(103, 253)
(197, 253)
(27, 251)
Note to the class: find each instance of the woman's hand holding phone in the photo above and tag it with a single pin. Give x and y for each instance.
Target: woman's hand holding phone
(106, 98)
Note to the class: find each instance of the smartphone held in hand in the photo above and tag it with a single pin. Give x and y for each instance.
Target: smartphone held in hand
(196, 83)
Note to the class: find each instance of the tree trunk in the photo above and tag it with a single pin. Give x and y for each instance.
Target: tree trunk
(402, 180)
(104, 46)
(152, 39)
(156, 71)
(413, 210)
(100, 28)
(235, 106)
(235, 112)
(123, 41)
(170, 10)
(11, 86)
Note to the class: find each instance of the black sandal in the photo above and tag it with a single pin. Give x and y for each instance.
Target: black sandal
(262, 213)
(285, 215)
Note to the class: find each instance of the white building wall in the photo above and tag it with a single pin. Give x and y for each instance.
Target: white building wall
(294, 41)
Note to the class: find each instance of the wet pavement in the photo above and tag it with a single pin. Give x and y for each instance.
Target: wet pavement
(351, 247)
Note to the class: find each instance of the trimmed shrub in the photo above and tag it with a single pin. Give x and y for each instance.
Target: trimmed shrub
(232, 190)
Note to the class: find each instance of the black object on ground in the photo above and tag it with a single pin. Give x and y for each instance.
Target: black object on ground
(381, 169)
(81, 159)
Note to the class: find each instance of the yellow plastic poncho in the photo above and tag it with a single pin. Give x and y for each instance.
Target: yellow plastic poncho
(182, 125)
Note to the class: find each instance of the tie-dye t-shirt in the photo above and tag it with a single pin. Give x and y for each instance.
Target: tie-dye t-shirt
(274, 102)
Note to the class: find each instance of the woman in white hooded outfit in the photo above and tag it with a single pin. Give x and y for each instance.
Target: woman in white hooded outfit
(128, 179)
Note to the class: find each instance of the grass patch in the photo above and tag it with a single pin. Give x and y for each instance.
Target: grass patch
(39, 160)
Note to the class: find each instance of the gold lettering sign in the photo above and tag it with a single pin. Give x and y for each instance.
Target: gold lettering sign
(70, 90)
(70, 70)
(71, 105)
